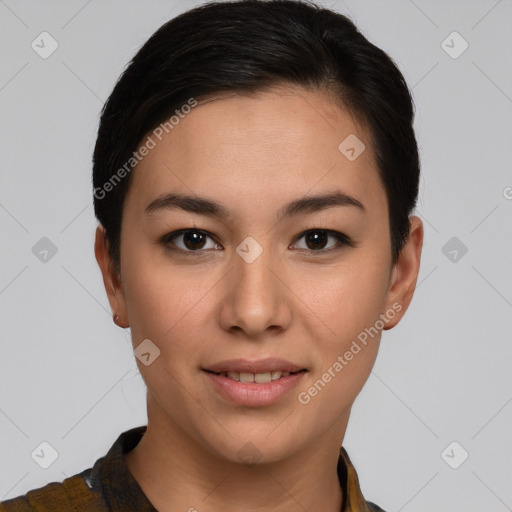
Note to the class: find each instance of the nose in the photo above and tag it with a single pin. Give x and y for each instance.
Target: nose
(257, 301)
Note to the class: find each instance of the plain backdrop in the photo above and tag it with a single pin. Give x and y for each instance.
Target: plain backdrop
(441, 390)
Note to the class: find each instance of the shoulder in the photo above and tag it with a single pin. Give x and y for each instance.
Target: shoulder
(354, 499)
(71, 494)
(371, 506)
(107, 485)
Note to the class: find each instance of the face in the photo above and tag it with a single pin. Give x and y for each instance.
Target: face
(286, 268)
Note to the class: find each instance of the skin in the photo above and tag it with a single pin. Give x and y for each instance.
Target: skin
(254, 154)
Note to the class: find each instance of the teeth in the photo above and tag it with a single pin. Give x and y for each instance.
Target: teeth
(259, 378)
(246, 377)
(262, 377)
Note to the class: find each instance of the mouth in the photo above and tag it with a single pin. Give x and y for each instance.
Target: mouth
(254, 383)
(258, 378)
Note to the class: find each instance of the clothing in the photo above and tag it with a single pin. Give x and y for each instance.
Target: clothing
(109, 486)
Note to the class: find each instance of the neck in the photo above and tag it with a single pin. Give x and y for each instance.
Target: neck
(176, 473)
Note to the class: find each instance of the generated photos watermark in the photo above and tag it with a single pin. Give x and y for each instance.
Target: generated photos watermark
(150, 143)
(304, 397)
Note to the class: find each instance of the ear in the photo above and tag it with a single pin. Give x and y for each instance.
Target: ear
(405, 273)
(111, 279)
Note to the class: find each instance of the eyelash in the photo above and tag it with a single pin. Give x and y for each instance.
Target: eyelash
(342, 241)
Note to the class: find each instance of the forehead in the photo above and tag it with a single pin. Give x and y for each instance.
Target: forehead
(287, 141)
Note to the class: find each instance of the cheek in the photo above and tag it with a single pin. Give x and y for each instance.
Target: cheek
(346, 346)
(164, 301)
(347, 299)
(349, 303)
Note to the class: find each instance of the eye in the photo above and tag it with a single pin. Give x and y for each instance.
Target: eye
(195, 241)
(191, 240)
(316, 240)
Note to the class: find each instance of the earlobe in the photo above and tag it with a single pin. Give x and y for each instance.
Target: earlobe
(119, 321)
(111, 279)
(405, 273)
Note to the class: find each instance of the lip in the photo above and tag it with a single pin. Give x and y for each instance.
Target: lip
(260, 366)
(251, 394)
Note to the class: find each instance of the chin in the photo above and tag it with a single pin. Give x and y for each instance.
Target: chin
(269, 443)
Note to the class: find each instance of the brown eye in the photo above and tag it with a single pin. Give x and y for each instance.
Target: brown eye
(190, 241)
(193, 240)
(316, 240)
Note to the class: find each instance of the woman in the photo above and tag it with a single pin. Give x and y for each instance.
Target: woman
(254, 177)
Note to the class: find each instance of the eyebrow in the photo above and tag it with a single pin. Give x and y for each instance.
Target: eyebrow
(207, 207)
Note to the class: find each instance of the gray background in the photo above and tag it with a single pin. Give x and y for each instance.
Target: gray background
(67, 373)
